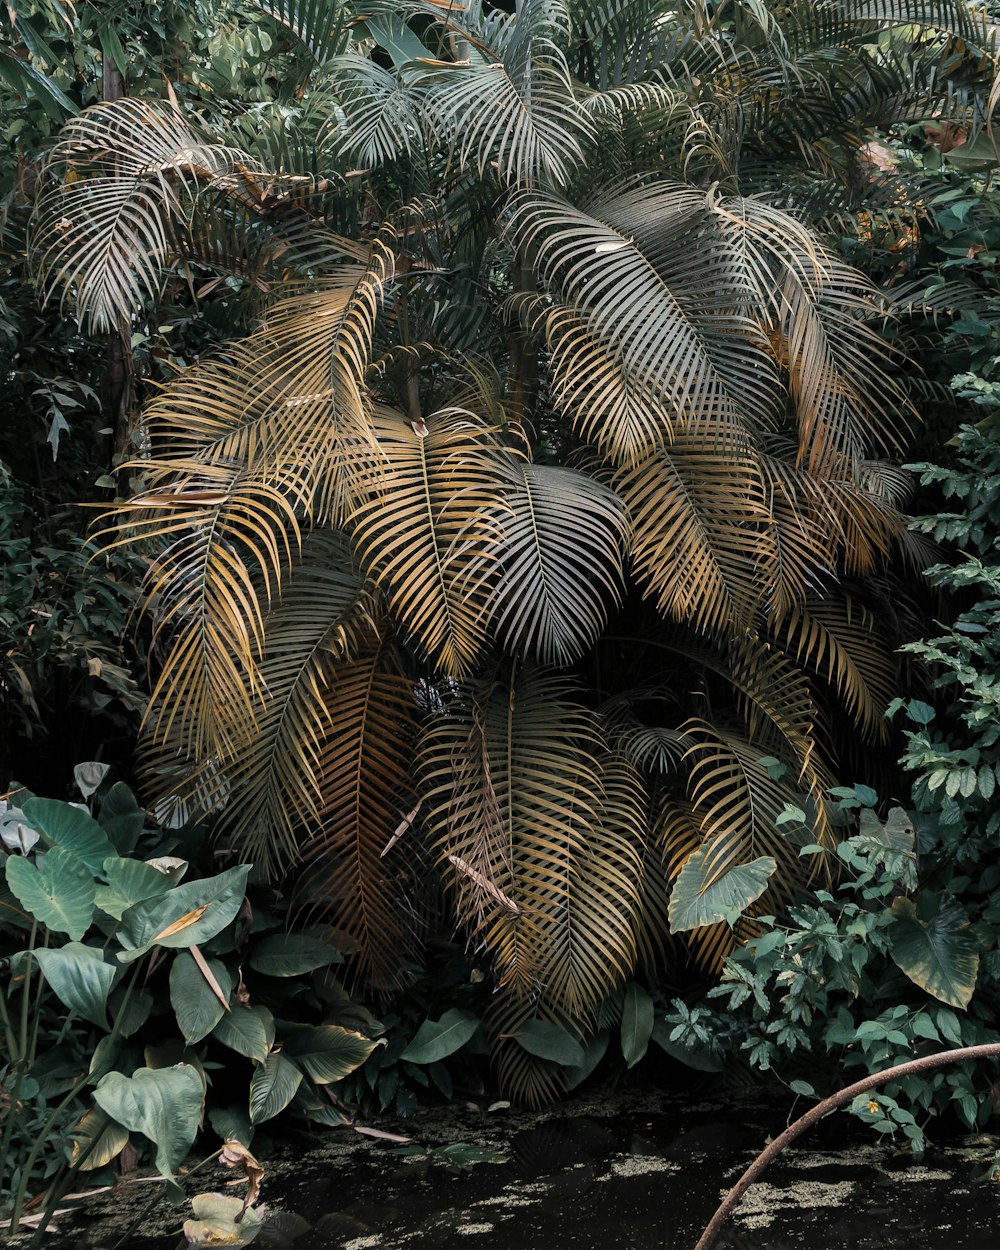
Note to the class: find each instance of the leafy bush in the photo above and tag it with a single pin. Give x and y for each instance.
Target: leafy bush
(134, 1000)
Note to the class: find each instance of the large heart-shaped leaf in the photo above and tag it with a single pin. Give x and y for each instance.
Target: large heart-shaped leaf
(186, 915)
(437, 1039)
(71, 828)
(328, 1053)
(122, 818)
(940, 955)
(59, 896)
(196, 1005)
(165, 1104)
(130, 881)
(80, 979)
(273, 1086)
(698, 898)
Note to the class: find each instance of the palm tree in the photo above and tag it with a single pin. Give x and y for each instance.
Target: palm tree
(521, 525)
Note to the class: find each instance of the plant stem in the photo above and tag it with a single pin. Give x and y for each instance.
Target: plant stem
(729, 1204)
(19, 1055)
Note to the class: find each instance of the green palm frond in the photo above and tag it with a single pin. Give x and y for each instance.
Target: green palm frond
(321, 27)
(658, 342)
(564, 541)
(381, 111)
(429, 534)
(122, 171)
(512, 101)
(837, 638)
(362, 768)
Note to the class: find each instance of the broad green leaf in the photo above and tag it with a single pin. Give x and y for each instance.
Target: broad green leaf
(247, 1030)
(697, 899)
(196, 1005)
(594, 1052)
(164, 1104)
(121, 818)
(63, 825)
(328, 1053)
(59, 896)
(437, 1039)
(97, 1139)
(79, 978)
(941, 956)
(637, 1023)
(232, 1124)
(291, 954)
(130, 881)
(187, 915)
(273, 1086)
(549, 1041)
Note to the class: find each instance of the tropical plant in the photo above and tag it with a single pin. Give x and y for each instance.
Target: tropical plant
(543, 511)
(120, 984)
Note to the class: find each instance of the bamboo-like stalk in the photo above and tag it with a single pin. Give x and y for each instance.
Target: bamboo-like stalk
(821, 1109)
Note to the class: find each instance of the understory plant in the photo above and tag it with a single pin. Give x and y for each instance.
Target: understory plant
(137, 998)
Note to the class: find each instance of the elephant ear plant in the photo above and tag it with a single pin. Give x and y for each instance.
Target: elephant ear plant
(125, 984)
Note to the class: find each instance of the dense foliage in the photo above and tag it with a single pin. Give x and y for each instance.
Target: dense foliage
(517, 497)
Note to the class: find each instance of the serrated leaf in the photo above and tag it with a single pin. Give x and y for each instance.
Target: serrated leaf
(292, 954)
(273, 1086)
(60, 895)
(79, 978)
(698, 899)
(941, 955)
(329, 1053)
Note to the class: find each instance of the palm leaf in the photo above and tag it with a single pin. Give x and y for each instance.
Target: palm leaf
(699, 518)
(362, 768)
(274, 781)
(512, 102)
(322, 27)
(434, 551)
(125, 169)
(563, 547)
(838, 639)
(515, 785)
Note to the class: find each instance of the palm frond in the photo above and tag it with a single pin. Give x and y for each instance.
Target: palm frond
(362, 769)
(273, 784)
(699, 518)
(564, 542)
(429, 534)
(121, 172)
(321, 27)
(517, 788)
(381, 111)
(838, 639)
(512, 102)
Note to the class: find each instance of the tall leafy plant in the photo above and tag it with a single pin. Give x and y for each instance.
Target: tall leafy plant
(523, 518)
